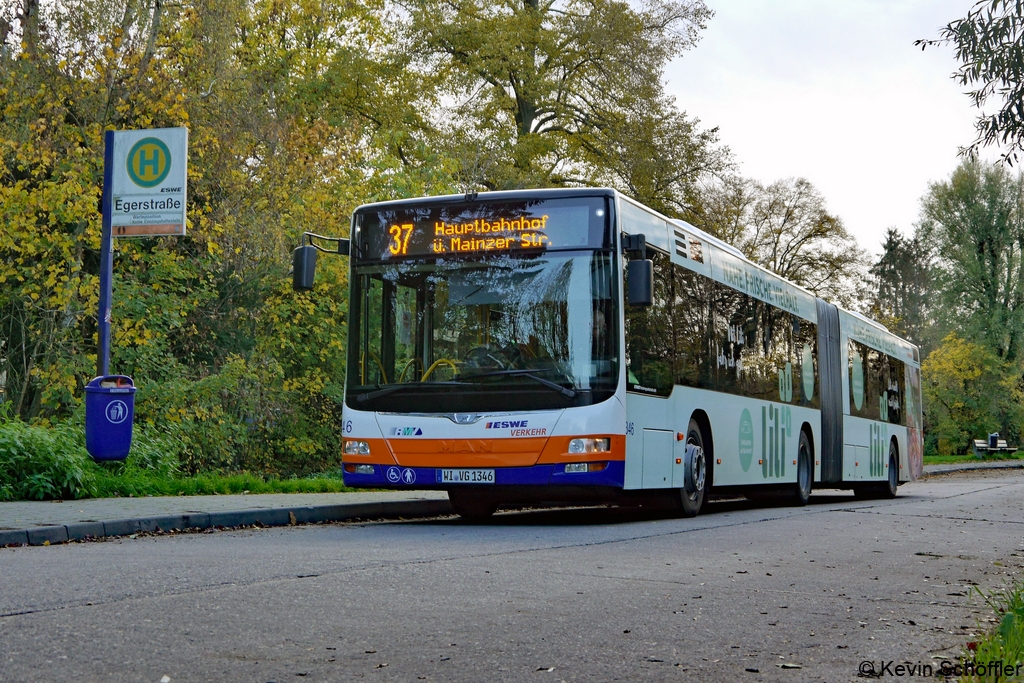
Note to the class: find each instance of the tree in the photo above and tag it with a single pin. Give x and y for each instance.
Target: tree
(969, 392)
(975, 224)
(297, 112)
(989, 42)
(787, 228)
(723, 207)
(657, 156)
(903, 295)
(563, 93)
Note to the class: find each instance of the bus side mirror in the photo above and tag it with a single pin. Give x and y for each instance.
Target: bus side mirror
(304, 259)
(303, 268)
(640, 282)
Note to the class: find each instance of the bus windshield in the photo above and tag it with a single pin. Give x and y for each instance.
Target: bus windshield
(498, 332)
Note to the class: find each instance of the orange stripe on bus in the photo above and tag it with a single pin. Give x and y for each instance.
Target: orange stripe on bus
(467, 452)
(523, 452)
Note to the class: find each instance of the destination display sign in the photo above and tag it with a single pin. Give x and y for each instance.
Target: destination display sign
(482, 228)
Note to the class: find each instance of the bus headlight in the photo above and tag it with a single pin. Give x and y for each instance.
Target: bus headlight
(352, 468)
(590, 445)
(356, 448)
(581, 467)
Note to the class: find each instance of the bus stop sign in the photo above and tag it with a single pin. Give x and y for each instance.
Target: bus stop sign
(149, 174)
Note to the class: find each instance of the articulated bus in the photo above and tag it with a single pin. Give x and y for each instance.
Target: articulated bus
(573, 345)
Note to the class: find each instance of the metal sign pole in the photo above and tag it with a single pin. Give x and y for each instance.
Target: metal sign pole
(106, 258)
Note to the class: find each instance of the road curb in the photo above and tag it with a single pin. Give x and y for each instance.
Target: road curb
(971, 467)
(285, 516)
(307, 514)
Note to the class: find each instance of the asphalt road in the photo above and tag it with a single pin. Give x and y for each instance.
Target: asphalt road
(742, 593)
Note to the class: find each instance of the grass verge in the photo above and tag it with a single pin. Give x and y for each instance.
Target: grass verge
(959, 459)
(1003, 647)
(50, 462)
(141, 483)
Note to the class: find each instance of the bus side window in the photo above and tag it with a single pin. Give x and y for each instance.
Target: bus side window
(725, 340)
(768, 356)
(869, 371)
(805, 364)
(879, 365)
(779, 357)
(896, 392)
(734, 343)
(694, 328)
(858, 371)
(649, 335)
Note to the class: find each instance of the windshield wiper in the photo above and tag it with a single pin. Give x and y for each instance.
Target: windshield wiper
(565, 391)
(391, 388)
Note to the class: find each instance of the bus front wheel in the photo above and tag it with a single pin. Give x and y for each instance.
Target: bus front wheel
(691, 497)
(474, 506)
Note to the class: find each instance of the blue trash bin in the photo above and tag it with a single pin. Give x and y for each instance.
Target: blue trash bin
(109, 413)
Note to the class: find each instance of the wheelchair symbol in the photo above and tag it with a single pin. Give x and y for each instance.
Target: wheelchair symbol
(394, 475)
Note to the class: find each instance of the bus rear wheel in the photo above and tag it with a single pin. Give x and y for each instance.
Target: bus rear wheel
(474, 506)
(887, 489)
(690, 498)
(804, 472)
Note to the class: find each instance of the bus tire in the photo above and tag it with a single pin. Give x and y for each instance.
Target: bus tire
(888, 489)
(689, 503)
(804, 472)
(474, 506)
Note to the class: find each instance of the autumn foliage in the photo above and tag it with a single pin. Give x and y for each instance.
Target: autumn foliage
(297, 112)
(276, 97)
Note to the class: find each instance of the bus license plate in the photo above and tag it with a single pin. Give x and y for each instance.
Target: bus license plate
(466, 477)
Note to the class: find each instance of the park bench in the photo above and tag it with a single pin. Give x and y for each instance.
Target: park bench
(993, 444)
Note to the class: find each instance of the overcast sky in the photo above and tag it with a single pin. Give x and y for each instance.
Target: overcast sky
(833, 91)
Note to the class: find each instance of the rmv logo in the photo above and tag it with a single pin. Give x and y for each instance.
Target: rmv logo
(406, 431)
(149, 162)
